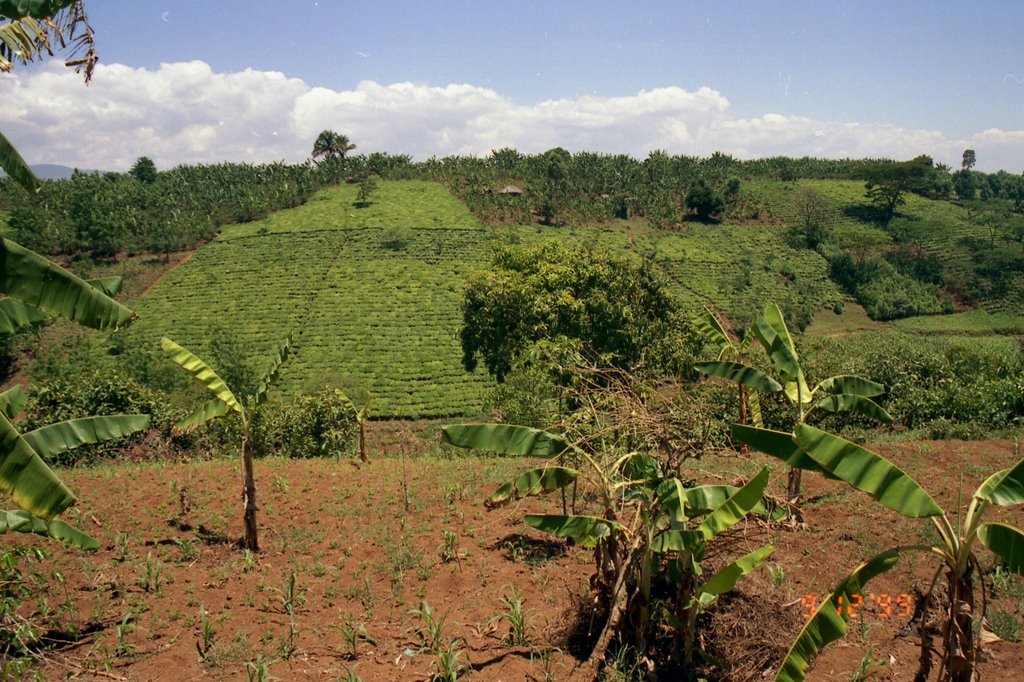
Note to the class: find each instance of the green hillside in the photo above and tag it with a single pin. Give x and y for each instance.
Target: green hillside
(370, 307)
(371, 295)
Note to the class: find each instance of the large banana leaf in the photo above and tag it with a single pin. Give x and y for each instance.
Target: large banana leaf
(726, 579)
(209, 410)
(867, 471)
(23, 522)
(36, 9)
(49, 441)
(712, 328)
(782, 354)
(268, 377)
(676, 540)
(26, 477)
(736, 506)
(13, 401)
(202, 372)
(111, 286)
(533, 482)
(672, 498)
(699, 500)
(741, 374)
(773, 316)
(585, 530)
(32, 279)
(779, 445)
(506, 439)
(829, 621)
(1004, 487)
(845, 402)
(1006, 541)
(10, 159)
(849, 383)
(15, 315)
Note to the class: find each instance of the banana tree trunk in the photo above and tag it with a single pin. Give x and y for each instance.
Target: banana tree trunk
(793, 485)
(251, 541)
(362, 441)
(960, 651)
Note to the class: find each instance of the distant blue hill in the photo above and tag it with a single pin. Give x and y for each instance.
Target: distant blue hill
(52, 171)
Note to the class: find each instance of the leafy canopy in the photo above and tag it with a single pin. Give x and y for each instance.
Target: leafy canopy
(619, 310)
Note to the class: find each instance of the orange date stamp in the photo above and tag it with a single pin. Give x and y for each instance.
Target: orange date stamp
(882, 605)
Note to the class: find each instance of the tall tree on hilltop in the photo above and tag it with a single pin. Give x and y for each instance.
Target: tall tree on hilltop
(331, 145)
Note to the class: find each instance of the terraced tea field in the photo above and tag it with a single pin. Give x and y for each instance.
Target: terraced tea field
(735, 267)
(375, 308)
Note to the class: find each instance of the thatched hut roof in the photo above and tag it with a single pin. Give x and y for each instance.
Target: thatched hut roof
(511, 189)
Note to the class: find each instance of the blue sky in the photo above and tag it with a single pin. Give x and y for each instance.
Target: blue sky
(750, 78)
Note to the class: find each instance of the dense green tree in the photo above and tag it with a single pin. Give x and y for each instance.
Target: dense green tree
(969, 159)
(964, 184)
(704, 200)
(887, 181)
(144, 170)
(619, 310)
(815, 212)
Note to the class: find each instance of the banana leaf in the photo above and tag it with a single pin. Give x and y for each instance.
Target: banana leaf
(10, 159)
(849, 383)
(845, 402)
(533, 482)
(736, 506)
(40, 283)
(23, 522)
(1004, 487)
(829, 620)
(1006, 541)
(208, 411)
(867, 471)
(26, 477)
(506, 439)
(585, 530)
(13, 401)
(726, 579)
(712, 328)
(202, 372)
(36, 9)
(54, 439)
(741, 374)
(15, 315)
(268, 377)
(779, 445)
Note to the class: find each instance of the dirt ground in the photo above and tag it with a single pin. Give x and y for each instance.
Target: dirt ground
(367, 548)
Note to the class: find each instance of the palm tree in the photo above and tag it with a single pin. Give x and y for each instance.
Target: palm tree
(331, 145)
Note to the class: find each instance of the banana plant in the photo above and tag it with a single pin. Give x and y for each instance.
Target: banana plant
(813, 449)
(361, 415)
(714, 331)
(650, 537)
(25, 475)
(222, 404)
(842, 393)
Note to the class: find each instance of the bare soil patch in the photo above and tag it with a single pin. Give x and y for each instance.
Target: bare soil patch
(367, 547)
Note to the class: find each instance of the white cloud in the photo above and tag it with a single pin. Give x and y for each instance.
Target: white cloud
(186, 113)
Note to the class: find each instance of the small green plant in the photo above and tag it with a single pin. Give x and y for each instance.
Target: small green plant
(1005, 625)
(207, 632)
(248, 560)
(515, 616)
(291, 598)
(125, 628)
(258, 670)
(351, 635)
(122, 547)
(447, 666)
(349, 675)
(450, 548)
(152, 572)
(777, 573)
(187, 547)
(431, 632)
